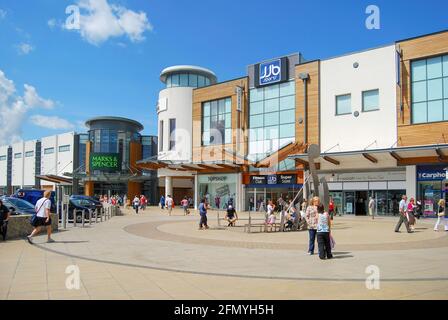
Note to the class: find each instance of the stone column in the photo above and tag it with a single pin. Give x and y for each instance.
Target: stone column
(168, 186)
(196, 191)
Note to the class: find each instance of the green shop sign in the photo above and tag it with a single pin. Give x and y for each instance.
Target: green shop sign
(105, 161)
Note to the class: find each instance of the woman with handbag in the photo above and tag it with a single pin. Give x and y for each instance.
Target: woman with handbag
(441, 216)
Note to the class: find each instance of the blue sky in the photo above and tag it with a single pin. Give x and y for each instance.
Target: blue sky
(114, 69)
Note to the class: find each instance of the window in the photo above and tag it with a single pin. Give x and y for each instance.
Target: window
(2, 158)
(187, 80)
(172, 133)
(29, 154)
(66, 148)
(161, 135)
(217, 122)
(429, 85)
(17, 155)
(48, 150)
(370, 100)
(272, 121)
(343, 104)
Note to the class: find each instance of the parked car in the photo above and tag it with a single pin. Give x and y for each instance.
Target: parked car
(97, 203)
(33, 195)
(18, 206)
(80, 204)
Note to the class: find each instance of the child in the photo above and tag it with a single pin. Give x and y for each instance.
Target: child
(323, 233)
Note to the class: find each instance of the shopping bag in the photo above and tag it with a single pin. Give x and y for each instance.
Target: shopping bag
(332, 242)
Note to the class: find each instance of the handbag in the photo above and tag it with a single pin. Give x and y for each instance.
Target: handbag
(332, 242)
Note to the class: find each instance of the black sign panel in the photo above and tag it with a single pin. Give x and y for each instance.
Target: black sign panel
(271, 72)
(274, 179)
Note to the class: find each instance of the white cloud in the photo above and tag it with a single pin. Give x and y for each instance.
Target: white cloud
(24, 48)
(32, 99)
(51, 122)
(100, 21)
(13, 108)
(52, 23)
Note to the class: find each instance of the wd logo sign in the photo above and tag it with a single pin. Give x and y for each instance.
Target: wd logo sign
(270, 72)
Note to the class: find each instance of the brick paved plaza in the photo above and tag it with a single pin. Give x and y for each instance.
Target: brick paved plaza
(153, 256)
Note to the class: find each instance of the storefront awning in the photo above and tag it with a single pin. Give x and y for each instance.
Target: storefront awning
(55, 179)
(154, 164)
(280, 155)
(403, 156)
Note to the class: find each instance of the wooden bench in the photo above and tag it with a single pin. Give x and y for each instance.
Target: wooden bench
(263, 227)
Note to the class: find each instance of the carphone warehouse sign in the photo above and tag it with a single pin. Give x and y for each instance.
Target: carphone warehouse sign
(271, 72)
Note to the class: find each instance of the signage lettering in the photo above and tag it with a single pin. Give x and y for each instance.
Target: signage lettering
(105, 161)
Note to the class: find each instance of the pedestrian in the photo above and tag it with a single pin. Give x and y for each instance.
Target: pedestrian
(419, 209)
(331, 210)
(231, 216)
(323, 233)
(372, 207)
(270, 209)
(410, 214)
(169, 203)
(203, 213)
(251, 204)
(42, 217)
(162, 202)
(136, 203)
(403, 207)
(4, 218)
(184, 204)
(311, 216)
(441, 216)
(143, 202)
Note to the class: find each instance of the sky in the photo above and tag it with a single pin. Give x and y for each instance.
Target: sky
(57, 71)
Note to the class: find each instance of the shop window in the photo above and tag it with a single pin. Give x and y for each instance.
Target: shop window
(172, 134)
(429, 79)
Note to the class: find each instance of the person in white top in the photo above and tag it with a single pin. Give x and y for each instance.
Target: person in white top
(43, 217)
(169, 203)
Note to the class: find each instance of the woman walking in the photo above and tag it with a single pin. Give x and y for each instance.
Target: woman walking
(441, 216)
(203, 213)
(410, 213)
(311, 217)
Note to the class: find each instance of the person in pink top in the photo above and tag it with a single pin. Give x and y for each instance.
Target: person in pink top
(184, 204)
(410, 213)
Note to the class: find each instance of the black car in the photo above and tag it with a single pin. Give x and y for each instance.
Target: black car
(18, 206)
(79, 205)
(94, 201)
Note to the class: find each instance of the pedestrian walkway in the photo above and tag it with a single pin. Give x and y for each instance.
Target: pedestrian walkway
(154, 256)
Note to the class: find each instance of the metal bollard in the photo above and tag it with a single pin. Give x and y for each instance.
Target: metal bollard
(219, 222)
(64, 217)
(96, 215)
(90, 217)
(83, 217)
(101, 214)
(75, 213)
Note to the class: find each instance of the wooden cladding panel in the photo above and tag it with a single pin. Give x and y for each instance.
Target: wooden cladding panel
(88, 151)
(312, 69)
(239, 120)
(418, 134)
(135, 154)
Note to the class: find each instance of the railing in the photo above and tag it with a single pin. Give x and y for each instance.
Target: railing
(83, 217)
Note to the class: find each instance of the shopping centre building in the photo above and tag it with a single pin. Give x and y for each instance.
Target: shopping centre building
(379, 116)
(101, 161)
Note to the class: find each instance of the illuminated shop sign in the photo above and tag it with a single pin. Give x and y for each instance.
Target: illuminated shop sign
(274, 179)
(105, 161)
(431, 173)
(271, 72)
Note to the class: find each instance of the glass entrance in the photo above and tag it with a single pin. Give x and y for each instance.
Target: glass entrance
(349, 202)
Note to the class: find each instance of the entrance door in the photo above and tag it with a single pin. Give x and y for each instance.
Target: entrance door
(349, 202)
(361, 203)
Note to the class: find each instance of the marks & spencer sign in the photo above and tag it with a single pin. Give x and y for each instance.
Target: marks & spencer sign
(105, 162)
(271, 72)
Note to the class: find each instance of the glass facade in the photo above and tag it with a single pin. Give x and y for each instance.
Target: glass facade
(217, 122)
(172, 134)
(429, 81)
(187, 80)
(83, 139)
(272, 121)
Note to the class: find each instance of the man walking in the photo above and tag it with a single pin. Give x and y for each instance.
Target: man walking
(43, 217)
(403, 207)
(203, 212)
(4, 218)
(169, 204)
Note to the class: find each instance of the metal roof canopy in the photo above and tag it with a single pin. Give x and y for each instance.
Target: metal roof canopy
(55, 179)
(403, 155)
